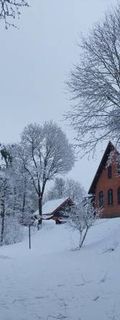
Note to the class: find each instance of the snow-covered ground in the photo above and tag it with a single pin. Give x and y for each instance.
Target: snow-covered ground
(55, 281)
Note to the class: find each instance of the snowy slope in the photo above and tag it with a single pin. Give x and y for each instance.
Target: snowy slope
(55, 281)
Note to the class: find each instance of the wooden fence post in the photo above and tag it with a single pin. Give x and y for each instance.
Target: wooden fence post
(29, 228)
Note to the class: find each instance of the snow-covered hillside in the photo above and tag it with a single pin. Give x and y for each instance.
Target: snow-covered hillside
(55, 281)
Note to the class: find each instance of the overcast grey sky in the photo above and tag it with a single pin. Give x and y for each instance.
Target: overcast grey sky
(35, 62)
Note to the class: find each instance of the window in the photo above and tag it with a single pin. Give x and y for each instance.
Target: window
(118, 168)
(118, 195)
(110, 172)
(101, 199)
(110, 197)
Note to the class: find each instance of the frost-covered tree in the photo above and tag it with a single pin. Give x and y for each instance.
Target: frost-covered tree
(16, 195)
(57, 191)
(4, 206)
(9, 9)
(24, 194)
(8, 208)
(45, 153)
(5, 189)
(81, 217)
(74, 190)
(10, 229)
(95, 85)
(66, 188)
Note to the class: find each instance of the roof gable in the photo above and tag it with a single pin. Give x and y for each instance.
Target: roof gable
(110, 147)
(51, 205)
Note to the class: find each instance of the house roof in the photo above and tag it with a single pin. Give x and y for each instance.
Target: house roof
(51, 206)
(110, 147)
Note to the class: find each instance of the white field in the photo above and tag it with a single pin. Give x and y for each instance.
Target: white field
(55, 281)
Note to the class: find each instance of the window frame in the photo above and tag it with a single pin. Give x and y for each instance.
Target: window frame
(101, 199)
(118, 195)
(118, 168)
(110, 197)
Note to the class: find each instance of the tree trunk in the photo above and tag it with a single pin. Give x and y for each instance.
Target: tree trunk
(40, 210)
(3, 222)
(15, 200)
(24, 198)
(29, 228)
(23, 202)
(83, 239)
(80, 239)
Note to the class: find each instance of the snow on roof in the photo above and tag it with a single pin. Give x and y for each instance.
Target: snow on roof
(51, 205)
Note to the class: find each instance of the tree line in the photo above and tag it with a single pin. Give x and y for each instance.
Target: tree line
(25, 169)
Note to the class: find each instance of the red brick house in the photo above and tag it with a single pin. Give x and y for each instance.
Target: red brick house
(105, 186)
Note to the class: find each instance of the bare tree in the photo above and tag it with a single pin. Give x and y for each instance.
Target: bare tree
(74, 190)
(45, 152)
(81, 217)
(68, 188)
(95, 85)
(9, 9)
(57, 191)
(24, 198)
